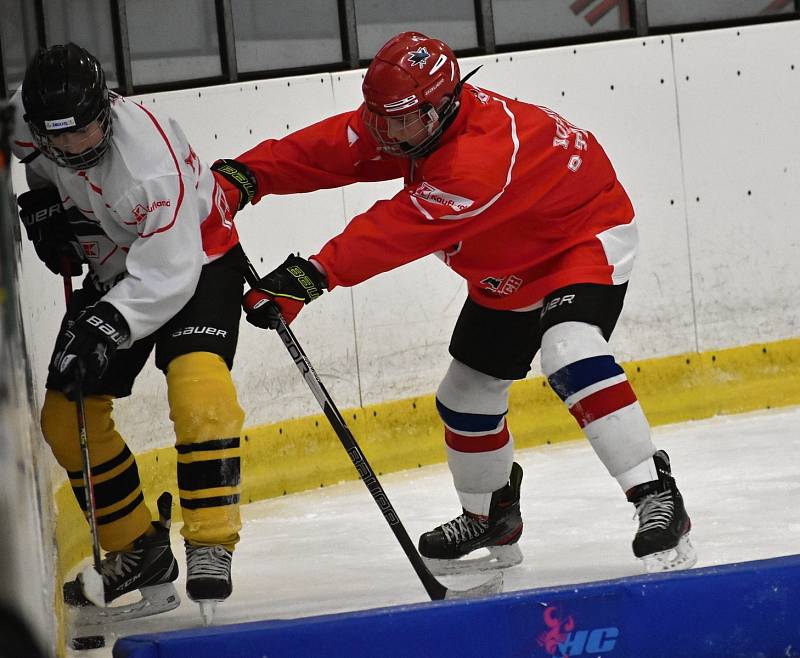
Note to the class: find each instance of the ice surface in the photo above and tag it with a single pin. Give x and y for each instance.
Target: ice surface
(330, 550)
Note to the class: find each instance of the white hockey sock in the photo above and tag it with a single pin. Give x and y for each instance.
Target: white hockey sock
(639, 474)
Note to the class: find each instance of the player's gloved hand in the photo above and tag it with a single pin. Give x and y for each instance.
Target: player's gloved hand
(85, 346)
(46, 224)
(285, 290)
(238, 183)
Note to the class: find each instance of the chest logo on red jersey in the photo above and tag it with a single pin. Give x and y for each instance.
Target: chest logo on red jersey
(435, 195)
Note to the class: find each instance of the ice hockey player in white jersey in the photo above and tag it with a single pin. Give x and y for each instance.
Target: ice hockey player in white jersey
(117, 188)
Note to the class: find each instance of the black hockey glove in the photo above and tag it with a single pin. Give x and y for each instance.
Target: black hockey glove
(84, 348)
(47, 227)
(237, 182)
(285, 290)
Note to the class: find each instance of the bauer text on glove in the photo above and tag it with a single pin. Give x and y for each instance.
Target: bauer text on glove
(85, 346)
(285, 290)
(47, 226)
(238, 183)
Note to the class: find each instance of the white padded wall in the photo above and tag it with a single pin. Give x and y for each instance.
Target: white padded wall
(726, 130)
(739, 103)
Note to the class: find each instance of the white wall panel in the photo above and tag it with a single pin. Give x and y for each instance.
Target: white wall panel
(403, 318)
(735, 134)
(739, 100)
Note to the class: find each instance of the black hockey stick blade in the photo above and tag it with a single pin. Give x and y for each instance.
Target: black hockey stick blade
(436, 591)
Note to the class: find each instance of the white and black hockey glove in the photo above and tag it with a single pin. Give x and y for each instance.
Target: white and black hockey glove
(85, 346)
(46, 224)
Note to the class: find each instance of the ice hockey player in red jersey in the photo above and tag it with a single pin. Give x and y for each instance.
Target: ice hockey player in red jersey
(528, 209)
(117, 188)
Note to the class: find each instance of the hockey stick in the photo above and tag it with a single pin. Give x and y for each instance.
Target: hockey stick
(91, 579)
(436, 591)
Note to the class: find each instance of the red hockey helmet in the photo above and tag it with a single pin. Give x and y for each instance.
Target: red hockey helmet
(410, 93)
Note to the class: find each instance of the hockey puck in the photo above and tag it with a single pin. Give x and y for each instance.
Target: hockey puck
(88, 642)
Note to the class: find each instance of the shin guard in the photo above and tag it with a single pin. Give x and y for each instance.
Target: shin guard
(480, 449)
(581, 370)
(121, 513)
(208, 422)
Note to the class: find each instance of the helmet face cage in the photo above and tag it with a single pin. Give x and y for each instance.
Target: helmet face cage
(417, 127)
(86, 158)
(421, 128)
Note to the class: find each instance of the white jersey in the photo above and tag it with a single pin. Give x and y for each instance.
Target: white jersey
(153, 214)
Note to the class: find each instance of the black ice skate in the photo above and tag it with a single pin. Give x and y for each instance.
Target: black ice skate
(499, 533)
(208, 577)
(662, 540)
(149, 566)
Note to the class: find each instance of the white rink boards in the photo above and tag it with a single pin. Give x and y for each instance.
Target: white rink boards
(700, 265)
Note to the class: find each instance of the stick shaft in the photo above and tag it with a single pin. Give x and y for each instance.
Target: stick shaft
(83, 438)
(435, 590)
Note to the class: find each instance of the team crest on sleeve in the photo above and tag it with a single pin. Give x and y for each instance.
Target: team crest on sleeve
(419, 57)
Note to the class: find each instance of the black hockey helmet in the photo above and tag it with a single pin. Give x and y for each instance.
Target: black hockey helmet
(65, 90)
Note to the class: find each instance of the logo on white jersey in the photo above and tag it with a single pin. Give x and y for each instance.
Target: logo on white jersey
(435, 195)
(193, 161)
(91, 249)
(140, 212)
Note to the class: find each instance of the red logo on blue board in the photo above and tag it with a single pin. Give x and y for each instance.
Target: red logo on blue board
(562, 640)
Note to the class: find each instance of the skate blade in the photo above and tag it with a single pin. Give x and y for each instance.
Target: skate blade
(683, 556)
(500, 557)
(207, 610)
(155, 600)
(492, 586)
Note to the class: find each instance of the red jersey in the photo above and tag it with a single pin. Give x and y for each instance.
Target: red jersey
(514, 198)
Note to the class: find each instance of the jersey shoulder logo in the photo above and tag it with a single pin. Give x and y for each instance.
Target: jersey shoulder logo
(419, 57)
(141, 211)
(480, 95)
(435, 195)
